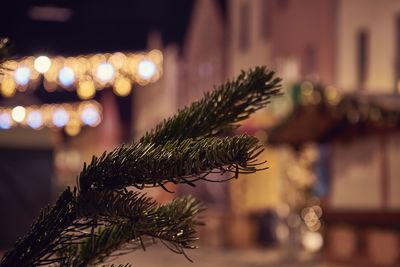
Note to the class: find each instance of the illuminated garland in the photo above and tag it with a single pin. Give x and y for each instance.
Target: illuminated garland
(85, 74)
(70, 116)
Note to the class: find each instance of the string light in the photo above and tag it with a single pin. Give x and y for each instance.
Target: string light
(104, 70)
(5, 120)
(146, 69)
(59, 115)
(8, 87)
(18, 113)
(66, 76)
(90, 115)
(42, 64)
(122, 87)
(86, 89)
(22, 75)
(34, 119)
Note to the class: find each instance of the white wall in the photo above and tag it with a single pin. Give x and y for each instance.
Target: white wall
(378, 17)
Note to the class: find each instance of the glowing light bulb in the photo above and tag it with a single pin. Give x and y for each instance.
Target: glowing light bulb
(42, 64)
(18, 113)
(146, 69)
(5, 120)
(22, 75)
(312, 241)
(105, 72)
(86, 89)
(66, 76)
(73, 128)
(90, 116)
(122, 87)
(8, 87)
(60, 117)
(34, 119)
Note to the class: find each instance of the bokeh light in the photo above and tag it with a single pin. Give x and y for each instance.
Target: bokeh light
(312, 241)
(34, 119)
(122, 87)
(42, 64)
(66, 76)
(18, 113)
(5, 120)
(146, 69)
(22, 75)
(90, 115)
(86, 89)
(105, 72)
(8, 87)
(60, 117)
(73, 128)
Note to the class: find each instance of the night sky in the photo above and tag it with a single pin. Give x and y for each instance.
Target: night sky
(94, 26)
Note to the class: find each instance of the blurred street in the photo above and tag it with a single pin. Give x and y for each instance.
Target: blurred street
(205, 257)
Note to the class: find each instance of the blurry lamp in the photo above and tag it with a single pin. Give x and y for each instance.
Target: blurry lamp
(34, 119)
(105, 72)
(146, 69)
(90, 116)
(22, 75)
(66, 76)
(312, 241)
(8, 87)
(86, 89)
(42, 64)
(18, 113)
(122, 87)
(60, 117)
(5, 121)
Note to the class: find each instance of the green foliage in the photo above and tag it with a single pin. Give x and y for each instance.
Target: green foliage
(100, 218)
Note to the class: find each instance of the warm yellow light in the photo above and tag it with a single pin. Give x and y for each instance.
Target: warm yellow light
(73, 128)
(18, 113)
(86, 89)
(42, 64)
(8, 87)
(122, 87)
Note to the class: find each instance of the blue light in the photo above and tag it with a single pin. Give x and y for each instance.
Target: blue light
(90, 116)
(146, 69)
(60, 117)
(35, 119)
(22, 75)
(5, 121)
(66, 76)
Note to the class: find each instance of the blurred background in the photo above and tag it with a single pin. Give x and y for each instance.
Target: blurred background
(85, 76)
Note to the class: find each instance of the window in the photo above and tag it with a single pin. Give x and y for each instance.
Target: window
(362, 57)
(265, 19)
(244, 36)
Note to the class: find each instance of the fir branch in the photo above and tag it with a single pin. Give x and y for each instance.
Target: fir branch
(44, 236)
(220, 109)
(100, 216)
(147, 164)
(173, 223)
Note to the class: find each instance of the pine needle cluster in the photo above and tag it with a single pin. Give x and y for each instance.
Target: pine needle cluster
(100, 218)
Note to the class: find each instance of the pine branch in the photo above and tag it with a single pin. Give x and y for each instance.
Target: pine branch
(45, 234)
(147, 164)
(220, 109)
(173, 223)
(100, 216)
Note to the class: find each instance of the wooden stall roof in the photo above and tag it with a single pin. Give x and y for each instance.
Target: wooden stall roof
(321, 115)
